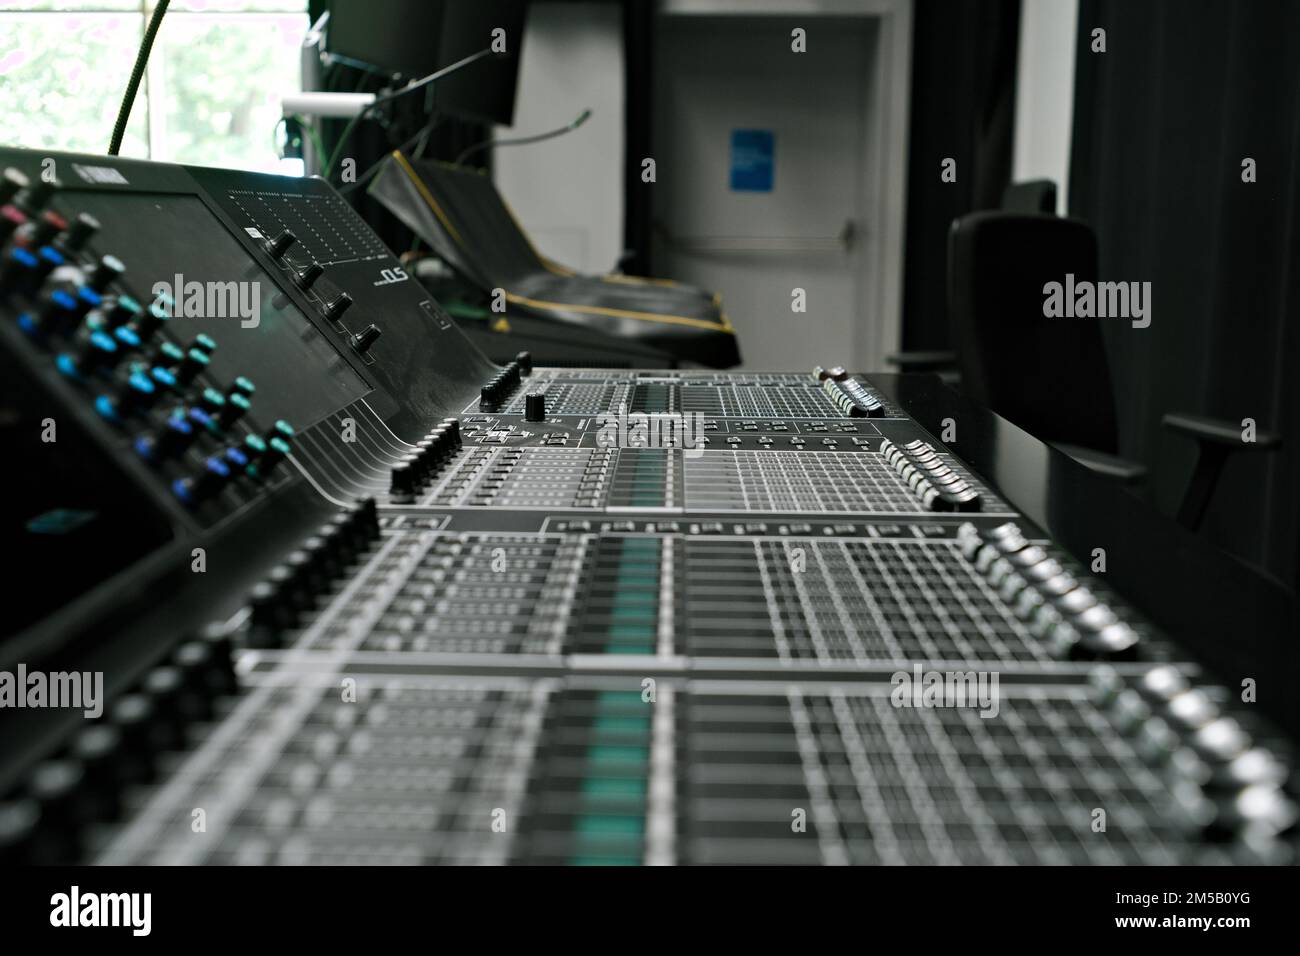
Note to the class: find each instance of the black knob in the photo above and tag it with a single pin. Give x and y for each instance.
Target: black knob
(366, 338)
(149, 320)
(277, 450)
(48, 225)
(38, 194)
(11, 182)
(97, 748)
(277, 247)
(133, 717)
(307, 277)
(235, 408)
(106, 271)
(95, 351)
(201, 673)
(535, 407)
(212, 401)
(11, 217)
(404, 479)
(167, 355)
(271, 613)
(205, 483)
(121, 310)
(335, 307)
(80, 232)
(58, 786)
(222, 649)
(427, 455)
(173, 437)
(525, 362)
(19, 819)
(136, 392)
(165, 689)
(308, 580)
(56, 313)
(176, 695)
(195, 361)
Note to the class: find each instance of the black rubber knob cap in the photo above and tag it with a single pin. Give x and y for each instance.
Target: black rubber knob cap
(366, 338)
(277, 247)
(19, 819)
(105, 273)
(11, 183)
(133, 717)
(335, 307)
(99, 749)
(535, 407)
(80, 231)
(38, 194)
(308, 276)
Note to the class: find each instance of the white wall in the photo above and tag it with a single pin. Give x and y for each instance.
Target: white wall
(1045, 93)
(568, 192)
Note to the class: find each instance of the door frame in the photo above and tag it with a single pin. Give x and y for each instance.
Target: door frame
(879, 287)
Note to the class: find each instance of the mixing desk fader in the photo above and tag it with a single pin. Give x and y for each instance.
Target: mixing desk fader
(364, 597)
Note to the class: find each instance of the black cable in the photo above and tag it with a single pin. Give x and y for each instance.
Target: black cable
(374, 167)
(137, 74)
(388, 97)
(522, 140)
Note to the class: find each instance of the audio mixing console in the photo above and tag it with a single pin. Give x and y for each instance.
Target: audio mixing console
(359, 596)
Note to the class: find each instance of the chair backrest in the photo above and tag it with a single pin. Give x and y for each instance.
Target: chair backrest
(1047, 374)
(1030, 196)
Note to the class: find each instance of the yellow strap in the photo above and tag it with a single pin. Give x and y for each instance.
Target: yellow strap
(723, 326)
(624, 313)
(427, 196)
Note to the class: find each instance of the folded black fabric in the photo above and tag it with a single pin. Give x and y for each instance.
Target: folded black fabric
(463, 218)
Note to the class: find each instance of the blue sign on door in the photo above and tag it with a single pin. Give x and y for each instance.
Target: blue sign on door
(751, 160)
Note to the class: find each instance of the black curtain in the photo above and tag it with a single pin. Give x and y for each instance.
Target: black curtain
(1163, 119)
(963, 106)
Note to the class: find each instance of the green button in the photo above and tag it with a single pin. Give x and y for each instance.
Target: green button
(608, 755)
(629, 632)
(605, 861)
(630, 612)
(614, 786)
(620, 701)
(622, 724)
(610, 826)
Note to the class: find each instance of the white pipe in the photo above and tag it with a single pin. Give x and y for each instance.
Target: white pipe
(325, 104)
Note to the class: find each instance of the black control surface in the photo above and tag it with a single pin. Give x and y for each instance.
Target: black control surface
(362, 596)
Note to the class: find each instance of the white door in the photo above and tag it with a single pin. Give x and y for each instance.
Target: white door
(766, 181)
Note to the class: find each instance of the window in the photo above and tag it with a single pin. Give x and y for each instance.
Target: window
(211, 95)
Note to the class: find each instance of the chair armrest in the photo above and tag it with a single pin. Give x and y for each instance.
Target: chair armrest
(1220, 431)
(1121, 469)
(1215, 439)
(922, 361)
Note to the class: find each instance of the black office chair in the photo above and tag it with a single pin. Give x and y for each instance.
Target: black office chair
(1027, 196)
(1030, 196)
(459, 213)
(1050, 375)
